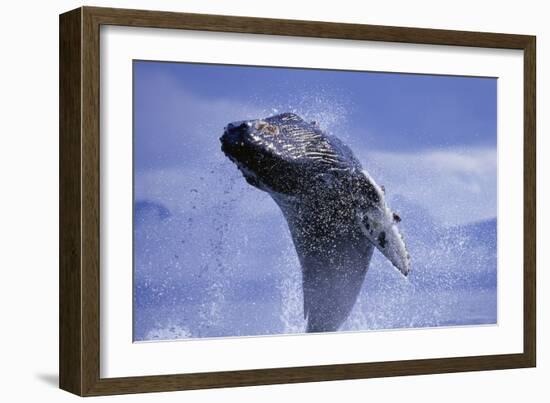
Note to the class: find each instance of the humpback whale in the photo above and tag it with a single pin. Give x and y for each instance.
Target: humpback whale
(336, 213)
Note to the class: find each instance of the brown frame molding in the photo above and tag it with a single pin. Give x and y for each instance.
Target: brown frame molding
(79, 200)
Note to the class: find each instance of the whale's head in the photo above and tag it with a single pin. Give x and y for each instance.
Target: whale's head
(284, 153)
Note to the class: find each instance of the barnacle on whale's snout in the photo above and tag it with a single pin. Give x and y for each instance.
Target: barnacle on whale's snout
(265, 127)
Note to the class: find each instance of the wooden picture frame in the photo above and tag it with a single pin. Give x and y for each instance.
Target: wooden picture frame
(79, 280)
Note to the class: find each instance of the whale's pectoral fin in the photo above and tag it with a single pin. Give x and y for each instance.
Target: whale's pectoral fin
(379, 224)
(331, 287)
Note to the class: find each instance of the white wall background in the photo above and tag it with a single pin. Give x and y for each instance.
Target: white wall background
(29, 201)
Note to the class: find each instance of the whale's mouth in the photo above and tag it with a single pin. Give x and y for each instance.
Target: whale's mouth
(233, 145)
(237, 148)
(236, 140)
(230, 143)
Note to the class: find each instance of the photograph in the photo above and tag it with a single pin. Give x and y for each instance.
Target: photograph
(252, 199)
(273, 201)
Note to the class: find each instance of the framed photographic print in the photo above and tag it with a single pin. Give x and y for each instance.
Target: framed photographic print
(249, 201)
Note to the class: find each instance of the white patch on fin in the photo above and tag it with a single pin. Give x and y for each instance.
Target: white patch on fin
(380, 227)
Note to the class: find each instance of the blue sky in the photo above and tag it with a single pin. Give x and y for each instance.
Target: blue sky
(213, 255)
(430, 138)
(385, 110)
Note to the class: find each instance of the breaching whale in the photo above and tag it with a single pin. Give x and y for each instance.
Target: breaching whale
(336, 213)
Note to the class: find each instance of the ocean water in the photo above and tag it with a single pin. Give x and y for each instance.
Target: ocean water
(217, 260)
